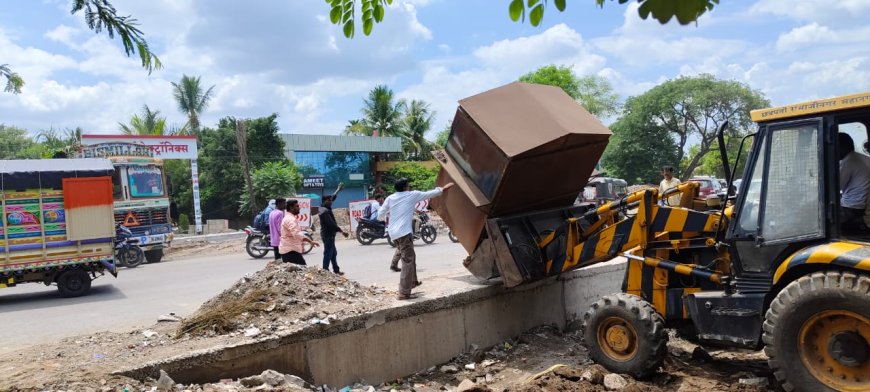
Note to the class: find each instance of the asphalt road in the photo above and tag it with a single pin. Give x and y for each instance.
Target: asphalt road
(33, 313)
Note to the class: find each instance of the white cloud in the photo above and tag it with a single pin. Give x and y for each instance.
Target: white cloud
(559, 44)
(63, 34)
(804, 37)
(815, 10)
(853, 73)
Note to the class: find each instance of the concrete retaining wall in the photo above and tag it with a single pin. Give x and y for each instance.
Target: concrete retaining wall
(395, 342)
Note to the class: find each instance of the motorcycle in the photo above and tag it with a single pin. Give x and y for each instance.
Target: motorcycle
(369, 230)
(127, 252)
(258, 243)
(423, 229)
(452, 236)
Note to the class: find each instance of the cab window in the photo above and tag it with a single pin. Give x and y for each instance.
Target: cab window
(145, 181)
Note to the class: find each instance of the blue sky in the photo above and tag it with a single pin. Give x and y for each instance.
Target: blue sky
(283, 56)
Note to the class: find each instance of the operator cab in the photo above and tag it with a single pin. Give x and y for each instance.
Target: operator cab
(792, 195)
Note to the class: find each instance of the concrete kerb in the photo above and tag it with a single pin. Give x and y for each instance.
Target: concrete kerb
(401, 340)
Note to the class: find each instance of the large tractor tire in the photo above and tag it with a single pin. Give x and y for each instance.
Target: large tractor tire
(154, 256)
(817, 333)
(73, 283)
(625, 334)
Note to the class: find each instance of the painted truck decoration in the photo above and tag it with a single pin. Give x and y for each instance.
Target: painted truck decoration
(56, 224)
(140, 194)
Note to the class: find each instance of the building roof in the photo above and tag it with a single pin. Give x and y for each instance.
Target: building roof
(812, 107)
(55, 165)
(330, 143)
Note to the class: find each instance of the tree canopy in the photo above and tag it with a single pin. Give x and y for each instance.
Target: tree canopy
(690, 109)
(192, 100)
(593, 92)
(270, 180)
(221, 179)
(149, 123)
(345, 13)
(637, 151)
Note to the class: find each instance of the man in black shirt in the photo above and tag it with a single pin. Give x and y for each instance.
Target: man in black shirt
(328, 229)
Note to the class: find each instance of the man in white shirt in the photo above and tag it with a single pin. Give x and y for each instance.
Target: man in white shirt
(854, 184)
(400, 208)
(375, 206)
(669, 182)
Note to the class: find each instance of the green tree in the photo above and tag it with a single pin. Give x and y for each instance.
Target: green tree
(59, 144)
(415, 125)
(419, 176)
(191, 99)
(99, 15)
(150, 123)
(272, 179)
(442, 136)
(382, 113)
(221, 180)
(344, 12)
(692, 108)
(637, 151)
(593, 92)
(356, 127)
(14, 83)
(15, 143)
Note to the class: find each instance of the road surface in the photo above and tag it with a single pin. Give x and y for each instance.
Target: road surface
(33, 313)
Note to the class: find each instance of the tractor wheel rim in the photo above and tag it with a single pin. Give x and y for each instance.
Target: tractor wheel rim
(834, 346)
(618, 339)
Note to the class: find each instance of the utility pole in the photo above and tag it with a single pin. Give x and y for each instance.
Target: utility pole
(242, 141)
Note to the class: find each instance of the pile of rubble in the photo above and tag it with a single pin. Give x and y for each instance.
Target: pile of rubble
(281, 296)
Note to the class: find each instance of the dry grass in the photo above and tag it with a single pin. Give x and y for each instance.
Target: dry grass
(223, 319)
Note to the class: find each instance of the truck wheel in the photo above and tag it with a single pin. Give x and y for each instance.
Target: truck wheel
(625, 334)
(73, 283)
(154, 256)
(817, 333)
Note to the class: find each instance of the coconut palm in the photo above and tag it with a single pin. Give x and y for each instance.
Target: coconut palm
(357, 127)
(381, 114)
(191, 99)
(150, 123)
(13, 80)
(416, 123)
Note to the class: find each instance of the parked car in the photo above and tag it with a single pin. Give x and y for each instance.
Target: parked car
(709, 186)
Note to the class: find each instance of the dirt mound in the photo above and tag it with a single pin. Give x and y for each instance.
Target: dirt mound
(281, 295)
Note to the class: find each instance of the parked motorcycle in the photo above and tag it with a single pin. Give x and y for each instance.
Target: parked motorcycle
(127, 251)
(452, 236)
(369, 230)
(258, 243)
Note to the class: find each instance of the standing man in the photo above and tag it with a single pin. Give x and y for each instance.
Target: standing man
(292, 236)
(400, 208)
(275, 218)
(375, 206)
(669, 182)
(328, 229)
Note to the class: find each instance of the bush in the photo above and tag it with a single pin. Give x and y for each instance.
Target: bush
(419, 177)
(184, 223)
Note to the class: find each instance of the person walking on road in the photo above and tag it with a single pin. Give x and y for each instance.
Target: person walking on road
(400, 208)
(275, 218)
(328, 229)
(292, 236)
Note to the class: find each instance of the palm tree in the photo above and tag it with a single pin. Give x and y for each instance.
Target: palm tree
(416, 123)
(191, 100)
(150, 123)
(381, 114)
(13, 80)
(357, 127)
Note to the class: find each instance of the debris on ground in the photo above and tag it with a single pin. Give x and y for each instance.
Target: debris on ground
(279, 299)
(548, 359)
(279, 296)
